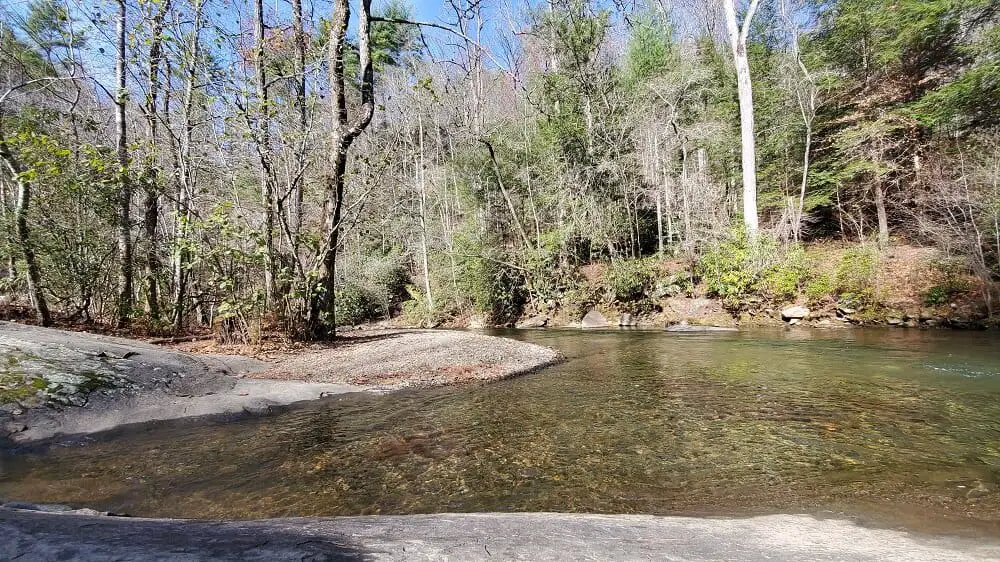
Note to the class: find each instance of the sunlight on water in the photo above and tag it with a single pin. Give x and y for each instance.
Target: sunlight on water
(901, 426)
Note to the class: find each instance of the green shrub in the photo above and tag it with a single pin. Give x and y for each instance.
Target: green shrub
(416, 311)
(354, 305)
(578, 299)
(630, 280)
(495, 288)
(738, 267)
(949, 281)
(856, 277)
(370, 288)
(726, 268)
(786, 276)
(820, 285)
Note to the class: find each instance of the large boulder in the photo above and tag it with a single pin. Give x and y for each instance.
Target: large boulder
(795, 313)
(594, 319)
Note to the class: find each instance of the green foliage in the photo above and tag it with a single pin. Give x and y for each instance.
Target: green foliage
(353, 305)
(391, 41)
(856, 277)
(949, 280)
(631, 280)
(72, 230)
(228, 255)
(496, 289)
(819, 286)
(650, 50)
(787, 276)
(973, 98)
(738, 266)
(370, 289)
(48, 24)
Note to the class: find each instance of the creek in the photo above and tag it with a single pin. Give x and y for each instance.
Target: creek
(892, 427)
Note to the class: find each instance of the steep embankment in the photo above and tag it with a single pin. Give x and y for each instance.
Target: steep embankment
(839, 285)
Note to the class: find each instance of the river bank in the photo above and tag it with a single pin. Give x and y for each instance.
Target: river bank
(828, 286)
(56, 382)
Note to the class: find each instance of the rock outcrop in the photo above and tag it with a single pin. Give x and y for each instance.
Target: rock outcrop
(594, 319)
(794, 313)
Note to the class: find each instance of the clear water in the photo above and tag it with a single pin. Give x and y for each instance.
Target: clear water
(895, 427)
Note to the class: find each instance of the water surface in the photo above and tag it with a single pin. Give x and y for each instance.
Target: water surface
(894, 427)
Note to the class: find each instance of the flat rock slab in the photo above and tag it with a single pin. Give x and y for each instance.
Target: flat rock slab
(153, 383)
(147, 383)
(33, 535)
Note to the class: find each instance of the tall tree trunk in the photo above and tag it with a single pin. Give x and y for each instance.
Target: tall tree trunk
(321, 321)
(807, 110)
(738, 44)
(125, 274)
(151, 202)
(423, 211)
(300, 104)
(264, 156)
(24, 235)
(883, 220)
(185, 187)
(805, 180)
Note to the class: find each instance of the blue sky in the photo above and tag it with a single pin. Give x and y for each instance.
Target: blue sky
(426, 9)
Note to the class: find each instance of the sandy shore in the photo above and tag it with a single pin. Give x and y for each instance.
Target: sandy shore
(394, 359)
(77, 383)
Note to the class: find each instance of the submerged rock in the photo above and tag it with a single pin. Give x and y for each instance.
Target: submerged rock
(259, 406)
(795, 313)
(594, 319)
(685, 327)
(539, 321)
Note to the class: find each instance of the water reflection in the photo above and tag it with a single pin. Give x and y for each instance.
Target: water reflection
(887, 424)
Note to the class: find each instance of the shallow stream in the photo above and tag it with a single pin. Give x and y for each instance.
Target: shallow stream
(897, 428)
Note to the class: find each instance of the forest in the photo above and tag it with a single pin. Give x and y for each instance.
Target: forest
(247, 167)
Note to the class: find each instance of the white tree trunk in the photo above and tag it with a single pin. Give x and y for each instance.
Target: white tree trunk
(124, 184)
(738, 44)
(423, 212)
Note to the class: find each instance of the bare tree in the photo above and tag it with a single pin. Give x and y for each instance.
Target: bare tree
(21, 206)
(151, 179)
(125, 275)
(807, 96)
(263, 142)
(298, 180)
(185, 169)
(321, 320)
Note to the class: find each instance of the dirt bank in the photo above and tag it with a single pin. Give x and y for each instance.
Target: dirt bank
(55, 382)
